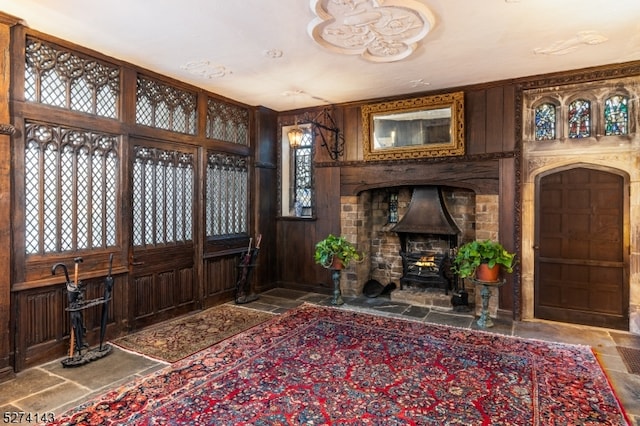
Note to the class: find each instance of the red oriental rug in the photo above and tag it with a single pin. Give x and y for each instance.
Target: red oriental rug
(325, 366)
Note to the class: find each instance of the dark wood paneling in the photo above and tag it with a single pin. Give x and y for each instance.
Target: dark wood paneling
(475, 122)
(481, 176)
(507, 226)
(6, 370)
(265, 199)
(160, 276)
(220, 277)
(42, 323)
(494, 111)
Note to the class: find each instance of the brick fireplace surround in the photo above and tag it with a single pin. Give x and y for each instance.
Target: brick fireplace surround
(364, 221)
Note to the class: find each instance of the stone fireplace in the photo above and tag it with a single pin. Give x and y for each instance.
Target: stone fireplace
(428, 236)
(365, 221)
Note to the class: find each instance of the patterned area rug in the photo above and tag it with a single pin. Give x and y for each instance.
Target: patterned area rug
(176, 339)
(316, 366)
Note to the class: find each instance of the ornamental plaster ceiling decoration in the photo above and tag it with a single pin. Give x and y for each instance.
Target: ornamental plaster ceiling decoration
(380, 32)
(337, 51)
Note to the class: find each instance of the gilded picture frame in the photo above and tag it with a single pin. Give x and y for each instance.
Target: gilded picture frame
(429, 126)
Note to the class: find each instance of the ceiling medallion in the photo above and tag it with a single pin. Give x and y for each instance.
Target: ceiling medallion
(205, 69)
(378, 30)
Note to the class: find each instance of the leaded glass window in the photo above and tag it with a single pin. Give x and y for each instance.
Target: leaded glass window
(303, 176)
(164, 107)
(163, 185)
(545, 119)
(227, 193)
(59, 78)
(71, 182)
(393, 207)
(226, 122)
(616, 116)
(580, 118)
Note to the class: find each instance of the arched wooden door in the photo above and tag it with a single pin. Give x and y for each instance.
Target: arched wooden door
(581, 264)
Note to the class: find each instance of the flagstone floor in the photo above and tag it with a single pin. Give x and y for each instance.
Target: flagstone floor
(49, 388)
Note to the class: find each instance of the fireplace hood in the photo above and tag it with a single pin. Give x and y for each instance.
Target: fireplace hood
(427, 214)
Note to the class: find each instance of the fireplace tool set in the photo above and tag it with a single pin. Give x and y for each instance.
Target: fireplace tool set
(244, 293)
(79, 352)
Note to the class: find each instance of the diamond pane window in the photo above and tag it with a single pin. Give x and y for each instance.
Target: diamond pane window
(226, 122)
(580, 119)
(71, 182)
(227, 186)
(162, 196)
(65, 79)
(545, 118)
(616, 116)
(165, 107)
(302, 175)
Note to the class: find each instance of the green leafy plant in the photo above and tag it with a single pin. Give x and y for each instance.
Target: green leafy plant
(470, 255)
(336, 247)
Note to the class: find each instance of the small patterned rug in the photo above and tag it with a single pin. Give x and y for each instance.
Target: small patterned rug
(324, 366)
(176, 339)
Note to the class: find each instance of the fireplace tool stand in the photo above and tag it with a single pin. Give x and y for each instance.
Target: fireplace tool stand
(79, 352)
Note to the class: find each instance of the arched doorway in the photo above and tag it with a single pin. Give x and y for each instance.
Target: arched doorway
(581, 247)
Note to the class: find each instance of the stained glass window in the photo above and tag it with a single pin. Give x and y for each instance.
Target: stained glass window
(545, 122)
(393, 207)
(580, 118)
(616, 116)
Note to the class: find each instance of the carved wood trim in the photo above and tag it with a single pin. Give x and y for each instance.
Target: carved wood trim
(7, 129)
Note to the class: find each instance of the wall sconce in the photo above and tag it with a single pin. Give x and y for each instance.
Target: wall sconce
(295, 136)
(324, 123)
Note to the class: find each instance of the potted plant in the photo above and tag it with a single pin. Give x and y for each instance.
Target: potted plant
(336, 252)
(474, 257)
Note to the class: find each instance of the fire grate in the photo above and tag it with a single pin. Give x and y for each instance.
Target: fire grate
(631, 358)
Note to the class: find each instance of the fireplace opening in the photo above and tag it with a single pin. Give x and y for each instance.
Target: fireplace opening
(428, 237)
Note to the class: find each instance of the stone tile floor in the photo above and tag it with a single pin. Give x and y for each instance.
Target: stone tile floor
(52, 388)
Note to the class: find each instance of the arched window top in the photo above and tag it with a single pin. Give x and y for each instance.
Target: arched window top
(545, 121)
(616, 115)
(579, 117)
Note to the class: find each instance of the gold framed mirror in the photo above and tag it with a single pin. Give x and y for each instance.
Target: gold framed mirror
(430, 126)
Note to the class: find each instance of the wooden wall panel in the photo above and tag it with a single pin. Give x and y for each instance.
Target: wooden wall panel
(143, 296)
(265, 204)
(475, 122)
(166, 289)
(494, 113)
(186, 288)
(6, 338)
(220, 277)
(43, 324)
(298, 237)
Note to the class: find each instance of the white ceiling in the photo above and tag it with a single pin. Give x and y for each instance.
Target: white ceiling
(259, 52)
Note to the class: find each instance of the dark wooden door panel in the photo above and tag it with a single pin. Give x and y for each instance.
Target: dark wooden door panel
(580, 261)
